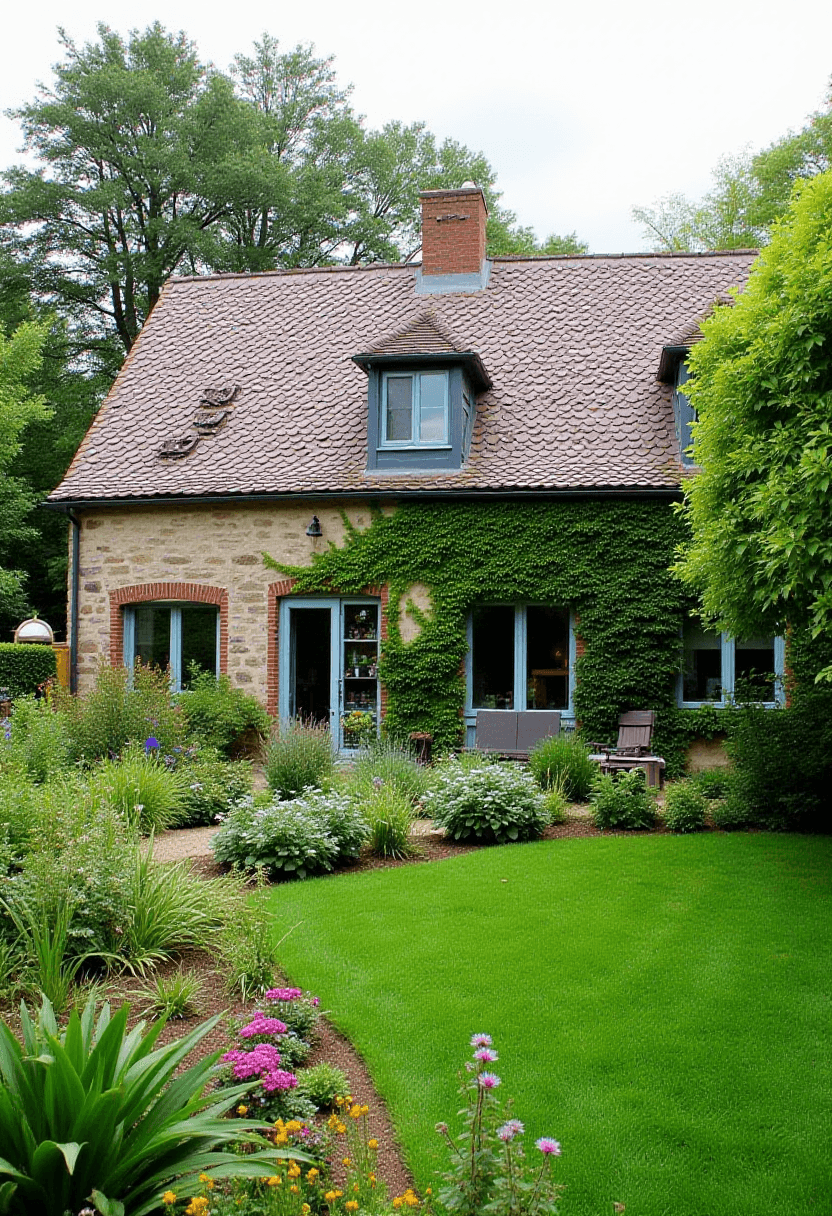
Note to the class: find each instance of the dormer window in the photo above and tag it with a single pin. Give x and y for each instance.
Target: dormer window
(422, 391)
(684, 414)
(414, 409)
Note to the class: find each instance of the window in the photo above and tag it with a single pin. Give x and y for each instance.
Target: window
(173, 636)
(684, 414)
(519, 657)
(414, 409)
(717, 669)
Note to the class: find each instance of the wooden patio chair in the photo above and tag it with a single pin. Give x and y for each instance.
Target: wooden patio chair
(635, 735)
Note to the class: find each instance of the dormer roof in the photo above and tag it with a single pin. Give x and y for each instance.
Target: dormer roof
(424, 339)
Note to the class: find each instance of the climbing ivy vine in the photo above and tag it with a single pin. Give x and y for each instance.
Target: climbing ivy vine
(608, 560)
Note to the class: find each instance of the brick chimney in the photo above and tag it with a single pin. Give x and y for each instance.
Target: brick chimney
(453, 231)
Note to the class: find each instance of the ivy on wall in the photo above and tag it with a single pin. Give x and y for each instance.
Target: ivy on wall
(607, 559)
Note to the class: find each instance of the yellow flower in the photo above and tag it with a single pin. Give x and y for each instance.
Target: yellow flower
(294, 1170)
(332, 1121)
(306, 1209)
(332, 1195)
(197, 1207)
(294, 1189)
(428, 1190)
(398, 1201)
(312, 1174)
(355, 1111)
(351, 1205)
(169, 1197)
(340, 1128)
(294, 1125)
(371, 1177)
(208, 1180)
(242, 1110)
(348, 1099)
(372, 1144)
(346, 1161)
(281, 1138)
(365, 1110)
(356, 1187)
(275, 1180)
(339, 1101)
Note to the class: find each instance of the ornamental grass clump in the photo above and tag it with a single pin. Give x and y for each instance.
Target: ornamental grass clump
(564, 761)
(390, 762)
(389, 816)
(493, 803)
(146, 791)
(684, 807)
(300, 756)
(623, 802)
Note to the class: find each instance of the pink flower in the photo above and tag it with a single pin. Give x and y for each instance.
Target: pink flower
(480, 1040)
(488, 1054)
(278, 1079)
(510, 1129)
(316, 1000)
(283, 994)
(488, 1080)
(550, 1148)
(260, 1024)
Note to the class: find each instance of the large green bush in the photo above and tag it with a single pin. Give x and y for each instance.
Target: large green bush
(492, 803)
(124, 707)
(684, 807)
(623, 802)
(219, 715)
(24, 667)
(300, 755)
(39, 736)
(287, 838)
(210, 786)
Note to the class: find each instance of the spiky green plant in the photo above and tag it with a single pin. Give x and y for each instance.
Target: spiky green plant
(94, 1112)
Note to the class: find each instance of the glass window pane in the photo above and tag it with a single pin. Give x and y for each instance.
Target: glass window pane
(754, 669)
(399, 409)
(547, 658)
(432, 392)
(701, 664)
(199, 639)
(153, 635)
(493, 657)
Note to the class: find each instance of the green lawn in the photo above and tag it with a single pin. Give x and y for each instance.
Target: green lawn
(661, 1005)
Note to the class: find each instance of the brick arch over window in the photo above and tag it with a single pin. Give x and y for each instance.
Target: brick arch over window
(145, 593)
(277, 591)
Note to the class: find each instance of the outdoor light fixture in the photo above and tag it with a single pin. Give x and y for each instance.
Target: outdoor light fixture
(315, 528)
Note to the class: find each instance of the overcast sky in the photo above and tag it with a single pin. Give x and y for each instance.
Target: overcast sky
(584, 110)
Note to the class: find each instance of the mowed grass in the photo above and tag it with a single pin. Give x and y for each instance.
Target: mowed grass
(661, 1006)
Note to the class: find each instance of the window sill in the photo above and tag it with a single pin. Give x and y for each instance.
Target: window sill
(415, 447)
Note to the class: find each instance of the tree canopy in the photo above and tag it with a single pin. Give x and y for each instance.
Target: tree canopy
(761, 549)
(750, 193)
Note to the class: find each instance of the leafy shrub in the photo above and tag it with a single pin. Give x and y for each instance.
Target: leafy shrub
(730, 813)
(25, 666)
(391, 763)
(89, 1113)
(20, 812)
(684, 807)
(343, 821)
(218, 715)
(713, 782)
(210, 785)
(623, 801)
(39, 737)
(114, 713)
(296, 1008)
(299, 757)
(389, 814)
(288, 839)
(322, 1084)
(143, 789)
(495, 803)
(564, 759)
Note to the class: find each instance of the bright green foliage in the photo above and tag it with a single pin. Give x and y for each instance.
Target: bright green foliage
(142, 789)
(39, 737)
(494, 804)
(389, 762)
(322, 1084)
(761, 549)
(95, 1109)
(247, 946)
(20, 361)
(174, 996)
(629, 605)
(299, 755)
(389, 814)
(218, 715)
(623, 802)
(286, 838)
(713, 783)
(564, 761)
(684, 807)
(210, 786)
(23, 666)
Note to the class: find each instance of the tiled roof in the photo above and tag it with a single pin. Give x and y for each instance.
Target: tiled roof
(571, 345)
(424, 335)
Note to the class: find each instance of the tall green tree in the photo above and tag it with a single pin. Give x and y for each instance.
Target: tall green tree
(761, 548)
(20, 361)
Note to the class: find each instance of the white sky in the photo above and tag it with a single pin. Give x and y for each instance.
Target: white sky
(583, 109)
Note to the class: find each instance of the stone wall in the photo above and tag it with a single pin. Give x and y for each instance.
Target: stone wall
(211, 547)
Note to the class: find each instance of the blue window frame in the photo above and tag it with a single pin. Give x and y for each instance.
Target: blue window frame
(414, 409)
(172, 636)
(717, 668)
(684, 414)
(520, 656)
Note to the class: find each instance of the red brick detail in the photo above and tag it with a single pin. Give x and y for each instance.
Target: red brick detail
(580, 647)
(276, 593)
(453, 231)
(143, 593)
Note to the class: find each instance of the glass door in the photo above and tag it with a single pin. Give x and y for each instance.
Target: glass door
(328, 663)
(359, 665)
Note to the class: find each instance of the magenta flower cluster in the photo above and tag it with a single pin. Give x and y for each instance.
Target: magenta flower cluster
(262, 1061)
(283, 994)
(262, 1024)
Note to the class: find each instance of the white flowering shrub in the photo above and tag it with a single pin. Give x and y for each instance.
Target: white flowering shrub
(493, 803)
(292, 839)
